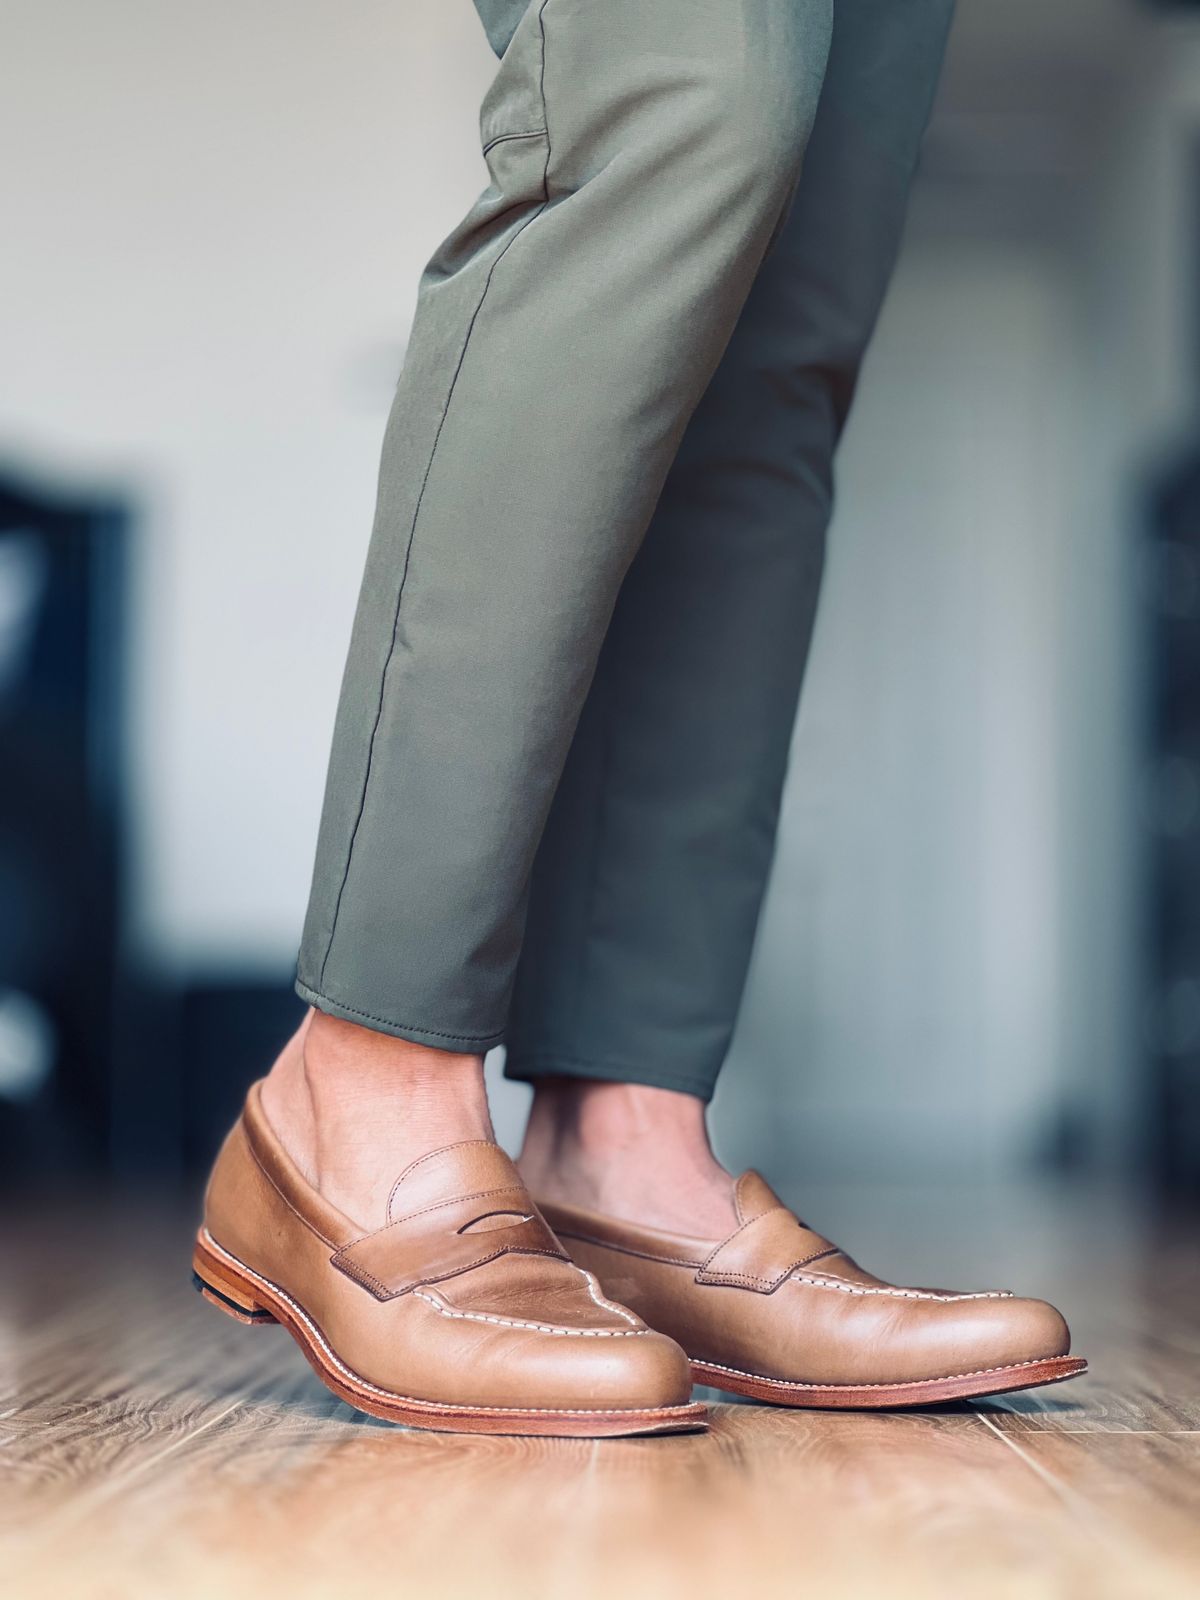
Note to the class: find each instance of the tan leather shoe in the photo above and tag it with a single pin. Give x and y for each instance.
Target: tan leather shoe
(463, 1313)
(778, 1313)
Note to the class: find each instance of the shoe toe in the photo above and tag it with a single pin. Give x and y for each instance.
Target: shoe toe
(643, 1371)
(1039, 1329)
(1004, 1331)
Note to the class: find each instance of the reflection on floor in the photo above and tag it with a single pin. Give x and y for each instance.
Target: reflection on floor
(151, 1447)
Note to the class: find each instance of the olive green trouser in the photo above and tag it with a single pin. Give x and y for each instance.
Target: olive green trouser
(606, 480)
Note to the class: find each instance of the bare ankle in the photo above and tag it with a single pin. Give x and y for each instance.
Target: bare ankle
(627, 1149)
(602, 1118)
(343, 1059)
(353, 1107)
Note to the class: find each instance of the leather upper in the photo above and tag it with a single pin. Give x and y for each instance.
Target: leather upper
(464, 1296)
(775, 1298)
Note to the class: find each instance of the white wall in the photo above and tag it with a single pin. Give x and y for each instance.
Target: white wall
(951, 958)
(213, 232)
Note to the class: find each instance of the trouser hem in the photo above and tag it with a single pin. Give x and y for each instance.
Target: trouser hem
(436, 1038)
(529, 1066)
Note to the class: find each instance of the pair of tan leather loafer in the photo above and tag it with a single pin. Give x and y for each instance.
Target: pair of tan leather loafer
(475, 1311)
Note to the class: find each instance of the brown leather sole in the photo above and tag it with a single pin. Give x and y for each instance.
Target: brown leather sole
(232, 1287)
(890, 1396)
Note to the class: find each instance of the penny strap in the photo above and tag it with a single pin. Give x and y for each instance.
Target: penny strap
(763, 1252)
(447, 1239)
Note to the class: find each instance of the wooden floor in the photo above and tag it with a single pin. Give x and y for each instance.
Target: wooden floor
(151, 1447)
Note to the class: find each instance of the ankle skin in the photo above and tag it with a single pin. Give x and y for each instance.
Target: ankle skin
(353, 1108)
(627, 1149)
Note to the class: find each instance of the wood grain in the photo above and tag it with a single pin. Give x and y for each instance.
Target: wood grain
(150, 1446)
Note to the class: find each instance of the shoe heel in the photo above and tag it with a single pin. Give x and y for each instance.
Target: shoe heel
(226, 1288)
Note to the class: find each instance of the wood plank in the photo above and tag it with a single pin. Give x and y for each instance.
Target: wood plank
(769, 1500)
(150, 1446)
(1137, 1493)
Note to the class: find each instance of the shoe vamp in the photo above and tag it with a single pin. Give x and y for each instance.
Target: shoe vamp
(534, 1289)
(841, 1268)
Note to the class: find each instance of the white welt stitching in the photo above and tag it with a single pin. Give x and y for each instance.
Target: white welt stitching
(434, 1407)
(532, 1327)
(900, 1383)
(593, 1284)
(902, 1294)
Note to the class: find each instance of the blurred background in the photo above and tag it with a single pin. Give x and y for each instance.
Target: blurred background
(981, 952)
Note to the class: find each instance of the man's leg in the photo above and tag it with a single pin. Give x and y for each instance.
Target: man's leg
(651, 873)
(642, 154)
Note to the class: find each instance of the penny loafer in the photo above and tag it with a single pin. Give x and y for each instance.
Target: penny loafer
(778, 1313)
(463, 1312)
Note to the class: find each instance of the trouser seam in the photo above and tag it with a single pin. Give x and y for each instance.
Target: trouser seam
(462, 356)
